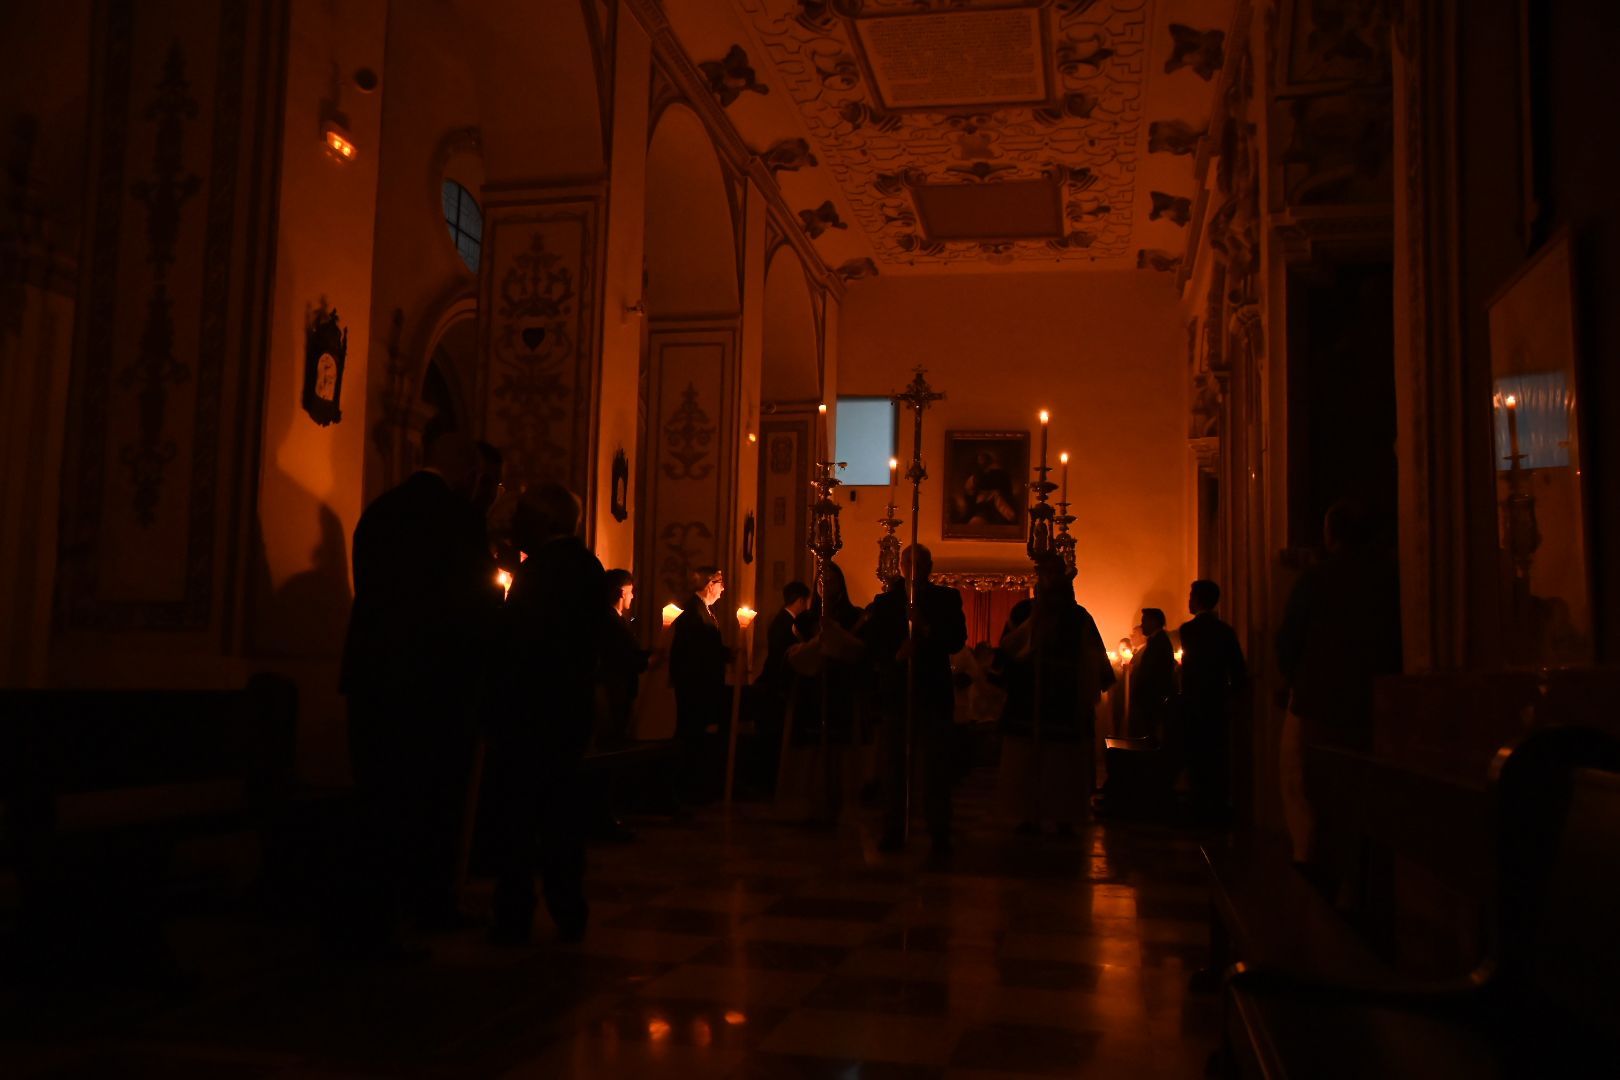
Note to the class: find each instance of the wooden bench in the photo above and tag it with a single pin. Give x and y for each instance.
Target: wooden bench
(99, 786)
(1307, 997)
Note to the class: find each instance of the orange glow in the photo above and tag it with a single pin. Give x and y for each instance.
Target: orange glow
(702, 1035)
(1113, 657)
(503, 578)
(735, 1018)
(894, 463)
(1045, 416)
(671, 613)
(340, 144)
(822, 408)
(745, 616)
(658, 1029)
(1063, 458)
(1178, 656)
(1511, 401)
(752, 437)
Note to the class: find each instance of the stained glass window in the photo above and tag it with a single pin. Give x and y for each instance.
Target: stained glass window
(465, 222)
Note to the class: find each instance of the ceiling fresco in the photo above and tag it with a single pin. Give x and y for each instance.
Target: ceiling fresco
(921, 136)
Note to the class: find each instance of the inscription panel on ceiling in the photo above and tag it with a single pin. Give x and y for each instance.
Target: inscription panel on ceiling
(957, 58)
(902, 96)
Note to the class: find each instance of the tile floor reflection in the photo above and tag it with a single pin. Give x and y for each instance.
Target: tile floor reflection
(718, 948)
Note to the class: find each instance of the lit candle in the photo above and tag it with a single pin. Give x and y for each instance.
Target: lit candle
(503, 578)
(894, 477)
(671, 613)
(1063, 459)
(1512, 403)
(1045, 417)
(1178, 656)
(745, 616)
(821, 432)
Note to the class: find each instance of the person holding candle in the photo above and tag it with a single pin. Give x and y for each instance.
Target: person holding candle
(697, 670)
(541, 711)
(424, 605)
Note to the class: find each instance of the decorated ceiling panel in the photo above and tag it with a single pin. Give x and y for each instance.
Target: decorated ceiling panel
(932, 135)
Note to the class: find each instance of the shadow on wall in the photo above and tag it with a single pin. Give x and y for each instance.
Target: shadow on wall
(308, 614)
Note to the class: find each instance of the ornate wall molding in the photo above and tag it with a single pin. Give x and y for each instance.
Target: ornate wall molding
(539, 295)
(141, 510)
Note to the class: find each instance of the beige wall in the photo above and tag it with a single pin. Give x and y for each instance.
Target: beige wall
(1105, 352)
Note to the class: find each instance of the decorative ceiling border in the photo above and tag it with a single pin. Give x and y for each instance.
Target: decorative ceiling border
(1087, 139)
(693, 85)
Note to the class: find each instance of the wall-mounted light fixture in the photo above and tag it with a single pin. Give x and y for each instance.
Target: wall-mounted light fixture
(339, 143)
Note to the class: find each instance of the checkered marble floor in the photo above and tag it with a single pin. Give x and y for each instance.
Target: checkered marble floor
(732, 947)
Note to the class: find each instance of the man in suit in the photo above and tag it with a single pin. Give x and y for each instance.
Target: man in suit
(1213, 674)
(782, 636)
(697, 670)
(941, 632)
(424, 604)
(1153, 680)
(542, 705)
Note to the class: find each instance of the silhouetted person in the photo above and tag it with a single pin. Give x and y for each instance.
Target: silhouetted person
(1153, 680)
(827, 729)
(771, 690)
(1055, 668)
(697, 670)
(424, 604)
(777, 677)
(623, 663)
(1213, 675)
(1340, 630)
(553, 633)
(940, 633)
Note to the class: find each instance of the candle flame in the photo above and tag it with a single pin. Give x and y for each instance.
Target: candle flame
(658, 1028)
(1045, 416)
(503, 578)
(822, 408)
(671, 612)
(1511, 401)
(894, 463)
(745, 616)
(1063, 458)
(752, 437)
(1178, 656)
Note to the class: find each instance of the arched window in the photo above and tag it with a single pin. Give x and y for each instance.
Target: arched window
(465, 221)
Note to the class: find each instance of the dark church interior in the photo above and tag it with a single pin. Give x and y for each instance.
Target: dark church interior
(879, 539)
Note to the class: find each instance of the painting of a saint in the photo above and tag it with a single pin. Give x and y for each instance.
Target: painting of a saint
(986, 487)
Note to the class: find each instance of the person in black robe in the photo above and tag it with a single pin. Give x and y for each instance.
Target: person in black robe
(941, 632)
(1055, 668)
(541, 710)
(697, 670)
(424, 606)
(1153, 682)
(1213, 675)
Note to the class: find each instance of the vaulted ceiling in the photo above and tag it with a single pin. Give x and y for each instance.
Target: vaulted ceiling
(927, 136)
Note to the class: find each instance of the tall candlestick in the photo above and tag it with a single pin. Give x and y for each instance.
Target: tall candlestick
(1045, 418)
(1063, 459)
(894, 477)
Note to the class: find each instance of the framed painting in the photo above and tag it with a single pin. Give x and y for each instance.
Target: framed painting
(1537, 446)
(986, 486)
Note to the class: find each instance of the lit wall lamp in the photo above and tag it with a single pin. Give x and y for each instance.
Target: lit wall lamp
(335, 134)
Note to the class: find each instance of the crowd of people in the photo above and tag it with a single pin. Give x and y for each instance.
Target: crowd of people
(470, 712)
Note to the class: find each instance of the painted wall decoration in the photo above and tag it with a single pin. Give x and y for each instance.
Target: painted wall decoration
(985, 490)
(689, 455)
(1079, 109)
(326, 353)
(537, 332)
(158, 349)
